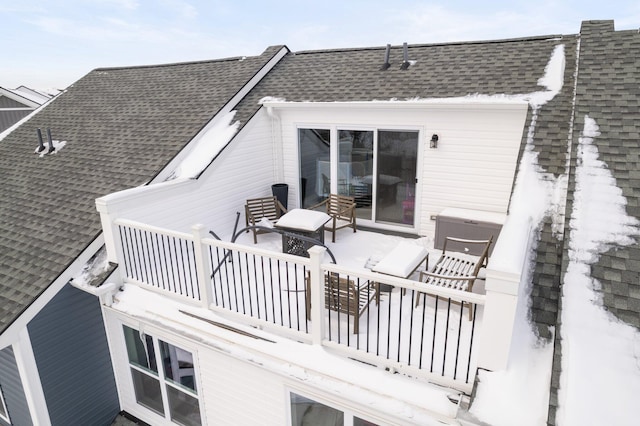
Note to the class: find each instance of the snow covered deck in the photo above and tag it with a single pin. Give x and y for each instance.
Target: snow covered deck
(258, 286)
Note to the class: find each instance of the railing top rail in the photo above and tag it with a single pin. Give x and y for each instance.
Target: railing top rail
(155, 229)
(453, 294)
(258, 251)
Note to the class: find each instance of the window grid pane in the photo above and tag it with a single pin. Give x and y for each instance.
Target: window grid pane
(178, 366)
(305, 411)
(147, 390)
(184, 408)
(141, 353)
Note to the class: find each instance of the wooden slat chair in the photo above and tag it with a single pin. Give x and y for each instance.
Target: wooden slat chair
(457, 270)
(258, 208)
(342, 210)
(343, 296)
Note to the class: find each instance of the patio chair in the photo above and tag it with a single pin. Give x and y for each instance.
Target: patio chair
(342, 210)
(457, 270)
(258, 208)
(343, 296)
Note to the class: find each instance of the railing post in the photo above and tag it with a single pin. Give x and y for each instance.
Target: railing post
(112, 241)
(203, 267)
(316, 255)
(498, 319)
(108, 229)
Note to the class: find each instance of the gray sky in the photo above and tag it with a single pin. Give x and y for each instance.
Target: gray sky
(52, 43)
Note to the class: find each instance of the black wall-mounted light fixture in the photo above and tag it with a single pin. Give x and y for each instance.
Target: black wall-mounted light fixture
(434, 141)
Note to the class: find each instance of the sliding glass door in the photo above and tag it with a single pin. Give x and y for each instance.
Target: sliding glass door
(396, 176)
(376, 167)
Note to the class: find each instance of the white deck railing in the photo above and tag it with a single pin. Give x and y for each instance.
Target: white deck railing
(263, 288)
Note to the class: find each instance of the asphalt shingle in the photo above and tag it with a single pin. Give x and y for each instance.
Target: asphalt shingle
(121, 127)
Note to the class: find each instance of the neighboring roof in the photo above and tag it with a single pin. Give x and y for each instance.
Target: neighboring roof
(28, 100)
(120, 127)
(42, 95)
(607, 92)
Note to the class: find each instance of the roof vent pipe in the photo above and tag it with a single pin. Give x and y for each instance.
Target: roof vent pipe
(40, 143)
(51, 148)
(405, 56)
(386, 64)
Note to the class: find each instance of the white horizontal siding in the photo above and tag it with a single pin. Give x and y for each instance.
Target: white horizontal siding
(239, 393)
(473, 166)
(231, 392)
(236, 391)
(244, 169)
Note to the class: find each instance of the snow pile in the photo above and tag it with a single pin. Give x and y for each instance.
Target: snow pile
(374, 387)
(600, 354)
(207, 146)
(521, 392)
(57, 146)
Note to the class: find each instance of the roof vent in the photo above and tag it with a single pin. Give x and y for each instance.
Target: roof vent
(52, 147)
(386, 64)
(405, 57)
(40, 143)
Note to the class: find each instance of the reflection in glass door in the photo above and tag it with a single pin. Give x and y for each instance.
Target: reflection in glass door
(355, 169)
(377, 168)
(315, 166)
(396, 176)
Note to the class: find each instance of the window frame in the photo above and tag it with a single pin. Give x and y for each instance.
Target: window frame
(348, 414)
(334, 151)
(161, 375)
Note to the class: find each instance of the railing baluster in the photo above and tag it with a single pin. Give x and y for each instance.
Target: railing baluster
(473, 327)
(433, 341)
(172, 270)
(446, 337)
(280, 288)
(126, 253)
(170, 262)
(455, 367)
(424, 317)
(295, 277)
(134, 254)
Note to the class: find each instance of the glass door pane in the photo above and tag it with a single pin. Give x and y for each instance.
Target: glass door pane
(396, 176)
(315, 166)
(355, 168)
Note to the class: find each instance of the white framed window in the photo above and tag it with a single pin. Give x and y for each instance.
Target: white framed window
(163, 377)
(307, 411)
(4, 414)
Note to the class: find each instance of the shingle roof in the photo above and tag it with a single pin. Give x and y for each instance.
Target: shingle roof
(438, 71)
(609, 93)
(121, 127)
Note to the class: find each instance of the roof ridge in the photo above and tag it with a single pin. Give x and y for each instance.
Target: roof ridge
(453, 43)
(204, 61)
(171, 64)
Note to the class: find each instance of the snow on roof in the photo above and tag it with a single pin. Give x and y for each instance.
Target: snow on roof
(552, 81)
(522, 390)
(390, 393)
(208, 145)
(601, 354)
(31, 94)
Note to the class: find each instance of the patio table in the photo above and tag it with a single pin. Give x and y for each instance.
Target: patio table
(308, 223)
